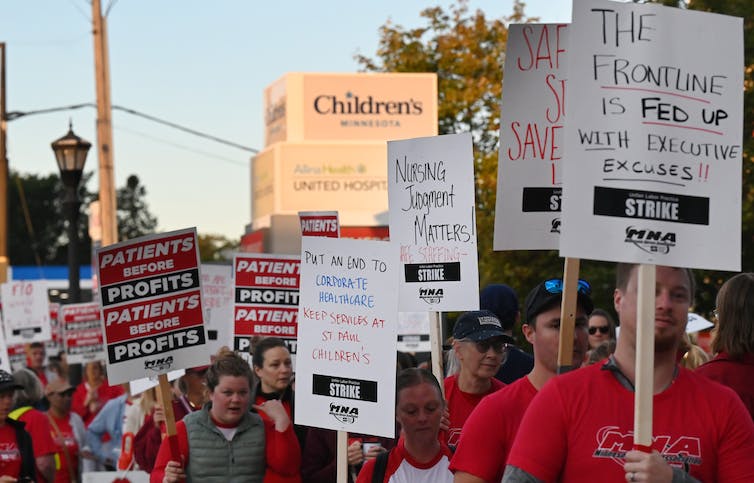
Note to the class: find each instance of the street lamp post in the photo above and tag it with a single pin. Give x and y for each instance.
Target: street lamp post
(70, 153)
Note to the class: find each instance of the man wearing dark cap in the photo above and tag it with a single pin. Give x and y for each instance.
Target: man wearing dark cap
(501, 300)
(490, 430)
(479, 347)
(17, 462)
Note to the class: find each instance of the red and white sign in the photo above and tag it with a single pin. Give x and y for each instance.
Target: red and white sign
(319, 223)
(82, 329)
(26, 312)
(266, 298)
(150, 292)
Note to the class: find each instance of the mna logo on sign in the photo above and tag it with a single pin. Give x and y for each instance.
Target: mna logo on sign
(650, 241)
(344, 414)
(555, 225)
(431, 295)
(158, 365)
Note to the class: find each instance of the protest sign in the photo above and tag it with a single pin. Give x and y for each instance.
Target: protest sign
(432, 218)
(345, 378)
(529, 175)
(653, 167)
(413, 332)
(82, 332)
(265, 298)
(17, 356)
(319, 223)
(150, 292)
(217, 300)
(5, 360)
(26, 312)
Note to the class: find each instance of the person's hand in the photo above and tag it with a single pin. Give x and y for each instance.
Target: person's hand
(7, 479)
(159, 415)
(87, 454)
(277, 413)
(355, 454)
(445, 421)
(173, 473)
(374, 451)
(647, 467)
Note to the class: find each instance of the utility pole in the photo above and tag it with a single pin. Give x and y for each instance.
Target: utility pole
(107, 197)
(4, 262)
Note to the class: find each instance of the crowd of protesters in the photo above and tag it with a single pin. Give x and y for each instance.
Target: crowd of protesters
(504, 414)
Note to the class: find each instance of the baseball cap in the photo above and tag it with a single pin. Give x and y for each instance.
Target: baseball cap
(7, 383)
(501, 300)
(197, 369)
(479, 325)
(550, 292)
(58, 386)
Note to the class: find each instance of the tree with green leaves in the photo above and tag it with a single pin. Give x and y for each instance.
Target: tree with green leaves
(134, 218)
(216, 248)
(466, 50)
(37, 226)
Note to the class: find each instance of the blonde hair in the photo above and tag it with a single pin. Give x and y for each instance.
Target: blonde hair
(694, 356)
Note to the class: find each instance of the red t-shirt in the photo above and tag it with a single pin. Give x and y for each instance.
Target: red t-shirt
(38, 427)
(282, 452)
(460, 405)
(490, 430)
(402, 467)
(10, 455)
(581, 423)
(67, 438)
(105, 392)
(736, 374)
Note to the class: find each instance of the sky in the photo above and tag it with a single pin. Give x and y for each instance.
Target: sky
(199, 64)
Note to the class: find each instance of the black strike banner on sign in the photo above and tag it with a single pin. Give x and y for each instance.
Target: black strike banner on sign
(346, 388)
(433, 272)
(538, 200)
(650, 205)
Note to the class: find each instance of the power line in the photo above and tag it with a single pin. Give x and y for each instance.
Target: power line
(13, 115)
(185, 129)
(181, 146)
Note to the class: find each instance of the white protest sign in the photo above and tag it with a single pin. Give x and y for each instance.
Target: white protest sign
(653, 171)
(26, 312)
(217, 300)
(150, 291)
(5, 355)
(82, 332)
(432, 218)
(413, 332)
(345, 378)
(266, 298)
(319, 223)
(529, 175)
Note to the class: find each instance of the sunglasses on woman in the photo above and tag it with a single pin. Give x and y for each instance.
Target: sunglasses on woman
(497, 345)
(602, 328)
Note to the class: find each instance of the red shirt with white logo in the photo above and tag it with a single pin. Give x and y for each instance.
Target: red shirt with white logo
(581, 423)
(10, 455)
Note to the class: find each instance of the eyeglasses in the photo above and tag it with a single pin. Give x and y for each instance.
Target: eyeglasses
(497, 345)
(555, 285)
(602, 328)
